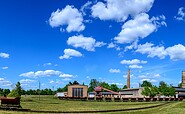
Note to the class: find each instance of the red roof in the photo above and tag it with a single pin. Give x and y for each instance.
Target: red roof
(98, 88)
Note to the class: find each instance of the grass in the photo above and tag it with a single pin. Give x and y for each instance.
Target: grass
(49, 103)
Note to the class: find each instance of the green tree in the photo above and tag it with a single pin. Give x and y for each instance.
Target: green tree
(16, 92)
(154, 91)
(1, 92)
(93, 83)
(124, 87)
(171, 91)
(146, 84)
(146, 91)
(75, 83)
(180, 85)
(114, 87)
(65, 88)
(165, 89)
(59, 89)
(6, 91)
(104, 85)
(150, 91)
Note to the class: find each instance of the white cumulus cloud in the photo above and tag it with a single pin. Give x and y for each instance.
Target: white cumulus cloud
(152, 51)
(113, 45)
(176, 52)
(37, 74)
(87, 43)
(114, 70)
(139, 27)
(47, 64)
(4, 55)
(66, 76)
(5, 67)
(69, 16)
(27, 81)
(69, 53)
(51, 81)
(85, 7)
(134, 61)
(150, 80)
(181, 14)
(4, 82)
(135, 66)
(119, 10)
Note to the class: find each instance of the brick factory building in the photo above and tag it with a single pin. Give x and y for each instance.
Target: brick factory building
(77, 91)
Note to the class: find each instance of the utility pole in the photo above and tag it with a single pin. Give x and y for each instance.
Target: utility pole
(39, 90)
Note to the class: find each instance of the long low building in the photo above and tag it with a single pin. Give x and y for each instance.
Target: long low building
(180, 92)
(131, 92)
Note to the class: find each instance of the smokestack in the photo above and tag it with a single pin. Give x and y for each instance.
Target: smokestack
(183, 79)
(128, 79)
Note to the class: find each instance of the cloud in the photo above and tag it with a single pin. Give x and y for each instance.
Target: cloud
(69, 53)
(150, 80)
(119, 10)
(85, 7)
(131, 76)
(66, 79)
(66, 76)
(152, 51)
(51, 81)
(87, 43)
(176, 52)
(47, 64)
(4, 68)
(181, 14)
(150, 76)
(156, 76)
(88, 77)
(4, 82)
(139, 27)
(27, 81)
(142, 76)
(46, 73)
(118, 84)
(113, 45)
(134, 61)
(4, 55)
(69, 16)
(114, 70)
(135, 66)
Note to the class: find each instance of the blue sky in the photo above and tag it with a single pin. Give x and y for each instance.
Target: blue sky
(57, 41)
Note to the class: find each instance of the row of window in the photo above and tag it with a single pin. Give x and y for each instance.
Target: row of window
(77, 92)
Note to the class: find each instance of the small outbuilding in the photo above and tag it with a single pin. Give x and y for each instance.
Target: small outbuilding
(61, 94)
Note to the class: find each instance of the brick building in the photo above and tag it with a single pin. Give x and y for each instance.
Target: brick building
(77, 91)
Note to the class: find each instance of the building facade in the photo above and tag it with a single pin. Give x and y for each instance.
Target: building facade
(183, 79)
(77, 91)
(132, 92)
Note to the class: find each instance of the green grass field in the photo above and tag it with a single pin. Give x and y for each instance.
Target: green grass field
(49, 103)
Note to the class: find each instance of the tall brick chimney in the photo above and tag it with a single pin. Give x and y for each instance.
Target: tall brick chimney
(128, 79)
(183, 79)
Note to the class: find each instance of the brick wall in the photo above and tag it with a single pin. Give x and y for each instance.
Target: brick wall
(85, 88)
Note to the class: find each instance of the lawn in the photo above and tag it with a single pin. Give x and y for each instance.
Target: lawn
(49, 103)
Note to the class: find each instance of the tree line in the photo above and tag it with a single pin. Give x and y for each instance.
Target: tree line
(149, 89)
(152, 90)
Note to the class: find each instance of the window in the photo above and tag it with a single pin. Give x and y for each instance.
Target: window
(77, 92)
